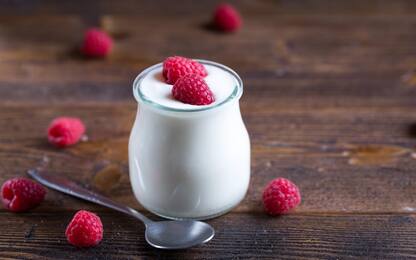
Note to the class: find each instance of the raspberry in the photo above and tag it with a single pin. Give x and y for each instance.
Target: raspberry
(280, 196)
(21, 194)
(85, 229)
(176, 66)
(96, 43)
(227, 18)
(65, 131)
(192, 89)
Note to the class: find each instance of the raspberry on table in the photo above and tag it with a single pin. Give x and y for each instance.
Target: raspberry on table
(227, 18)
(176, 66)
(21, 194)
(65, 131)
(84, 230)
(96, 44)
(280, 196)
(192, 89)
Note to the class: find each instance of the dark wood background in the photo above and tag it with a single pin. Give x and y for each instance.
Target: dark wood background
(329, 103)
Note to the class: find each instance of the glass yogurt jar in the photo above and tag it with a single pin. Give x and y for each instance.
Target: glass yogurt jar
(187, 161)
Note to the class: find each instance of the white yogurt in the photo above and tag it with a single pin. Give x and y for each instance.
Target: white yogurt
(189, 161)
(155, 89)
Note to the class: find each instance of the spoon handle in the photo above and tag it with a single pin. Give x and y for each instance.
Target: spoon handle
(69, 187)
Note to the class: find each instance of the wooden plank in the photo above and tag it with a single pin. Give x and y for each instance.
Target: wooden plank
(329, 103)
(305, 59)
(285, 38)
(344, 160)
(303, 7)
(40, 235)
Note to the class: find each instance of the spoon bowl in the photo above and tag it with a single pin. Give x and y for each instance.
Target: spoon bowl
(178, 234)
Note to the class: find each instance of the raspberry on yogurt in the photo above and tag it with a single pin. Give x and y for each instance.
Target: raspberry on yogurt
(192, 89)
(176, 67)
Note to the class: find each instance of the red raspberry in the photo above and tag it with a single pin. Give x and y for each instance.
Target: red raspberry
(280, 196)
(96, 43)
(176, 66)
(21, 194)
(65, 131)
(85, 229)
(227, 18)
(192, 89)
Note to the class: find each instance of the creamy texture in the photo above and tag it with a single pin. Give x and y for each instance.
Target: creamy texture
(193, 167)
(155, 89)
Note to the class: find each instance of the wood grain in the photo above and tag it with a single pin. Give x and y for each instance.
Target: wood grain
(314, 148)
(40, 236)
(328, 102)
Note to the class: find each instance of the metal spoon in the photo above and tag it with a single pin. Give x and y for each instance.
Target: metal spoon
(178, 234)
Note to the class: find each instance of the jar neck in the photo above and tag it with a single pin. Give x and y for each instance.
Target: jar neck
(143, 100)
(232, 105)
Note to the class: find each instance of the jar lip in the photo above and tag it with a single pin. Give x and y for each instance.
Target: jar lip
(141, 98)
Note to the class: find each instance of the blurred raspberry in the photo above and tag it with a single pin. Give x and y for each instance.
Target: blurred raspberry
(97, 43)
(227, 18)
(65, 131)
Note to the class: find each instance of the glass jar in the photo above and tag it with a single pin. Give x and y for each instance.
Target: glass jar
(189, 163)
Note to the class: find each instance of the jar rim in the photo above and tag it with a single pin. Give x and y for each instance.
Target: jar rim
(141, 98)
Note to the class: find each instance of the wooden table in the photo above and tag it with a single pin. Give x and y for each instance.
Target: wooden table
(329, 103)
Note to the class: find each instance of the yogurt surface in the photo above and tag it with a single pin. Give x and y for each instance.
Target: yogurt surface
(154, 88)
